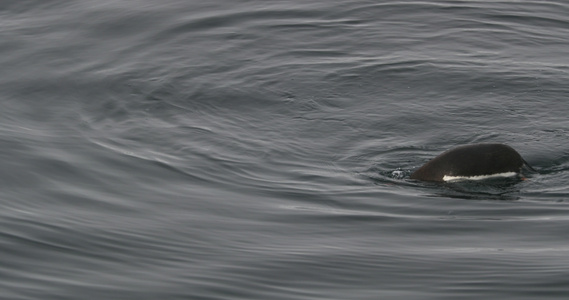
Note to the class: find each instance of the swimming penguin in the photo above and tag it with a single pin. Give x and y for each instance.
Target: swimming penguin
(472, 162)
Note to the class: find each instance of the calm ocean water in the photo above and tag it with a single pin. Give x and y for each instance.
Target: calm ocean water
(261, 149)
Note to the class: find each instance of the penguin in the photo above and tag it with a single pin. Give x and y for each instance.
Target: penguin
(472, 162)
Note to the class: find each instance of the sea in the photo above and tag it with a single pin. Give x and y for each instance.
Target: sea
(254, 150)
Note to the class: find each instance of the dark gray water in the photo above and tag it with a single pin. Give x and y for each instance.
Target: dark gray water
(262, 149)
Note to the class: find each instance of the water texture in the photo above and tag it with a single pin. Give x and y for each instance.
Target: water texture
(262, 149)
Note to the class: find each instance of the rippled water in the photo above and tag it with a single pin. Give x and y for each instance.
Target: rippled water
(262, 149)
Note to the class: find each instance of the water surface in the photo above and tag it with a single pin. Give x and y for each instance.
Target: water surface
(261, 150)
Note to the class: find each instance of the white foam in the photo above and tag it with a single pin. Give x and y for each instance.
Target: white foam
(479, 177)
